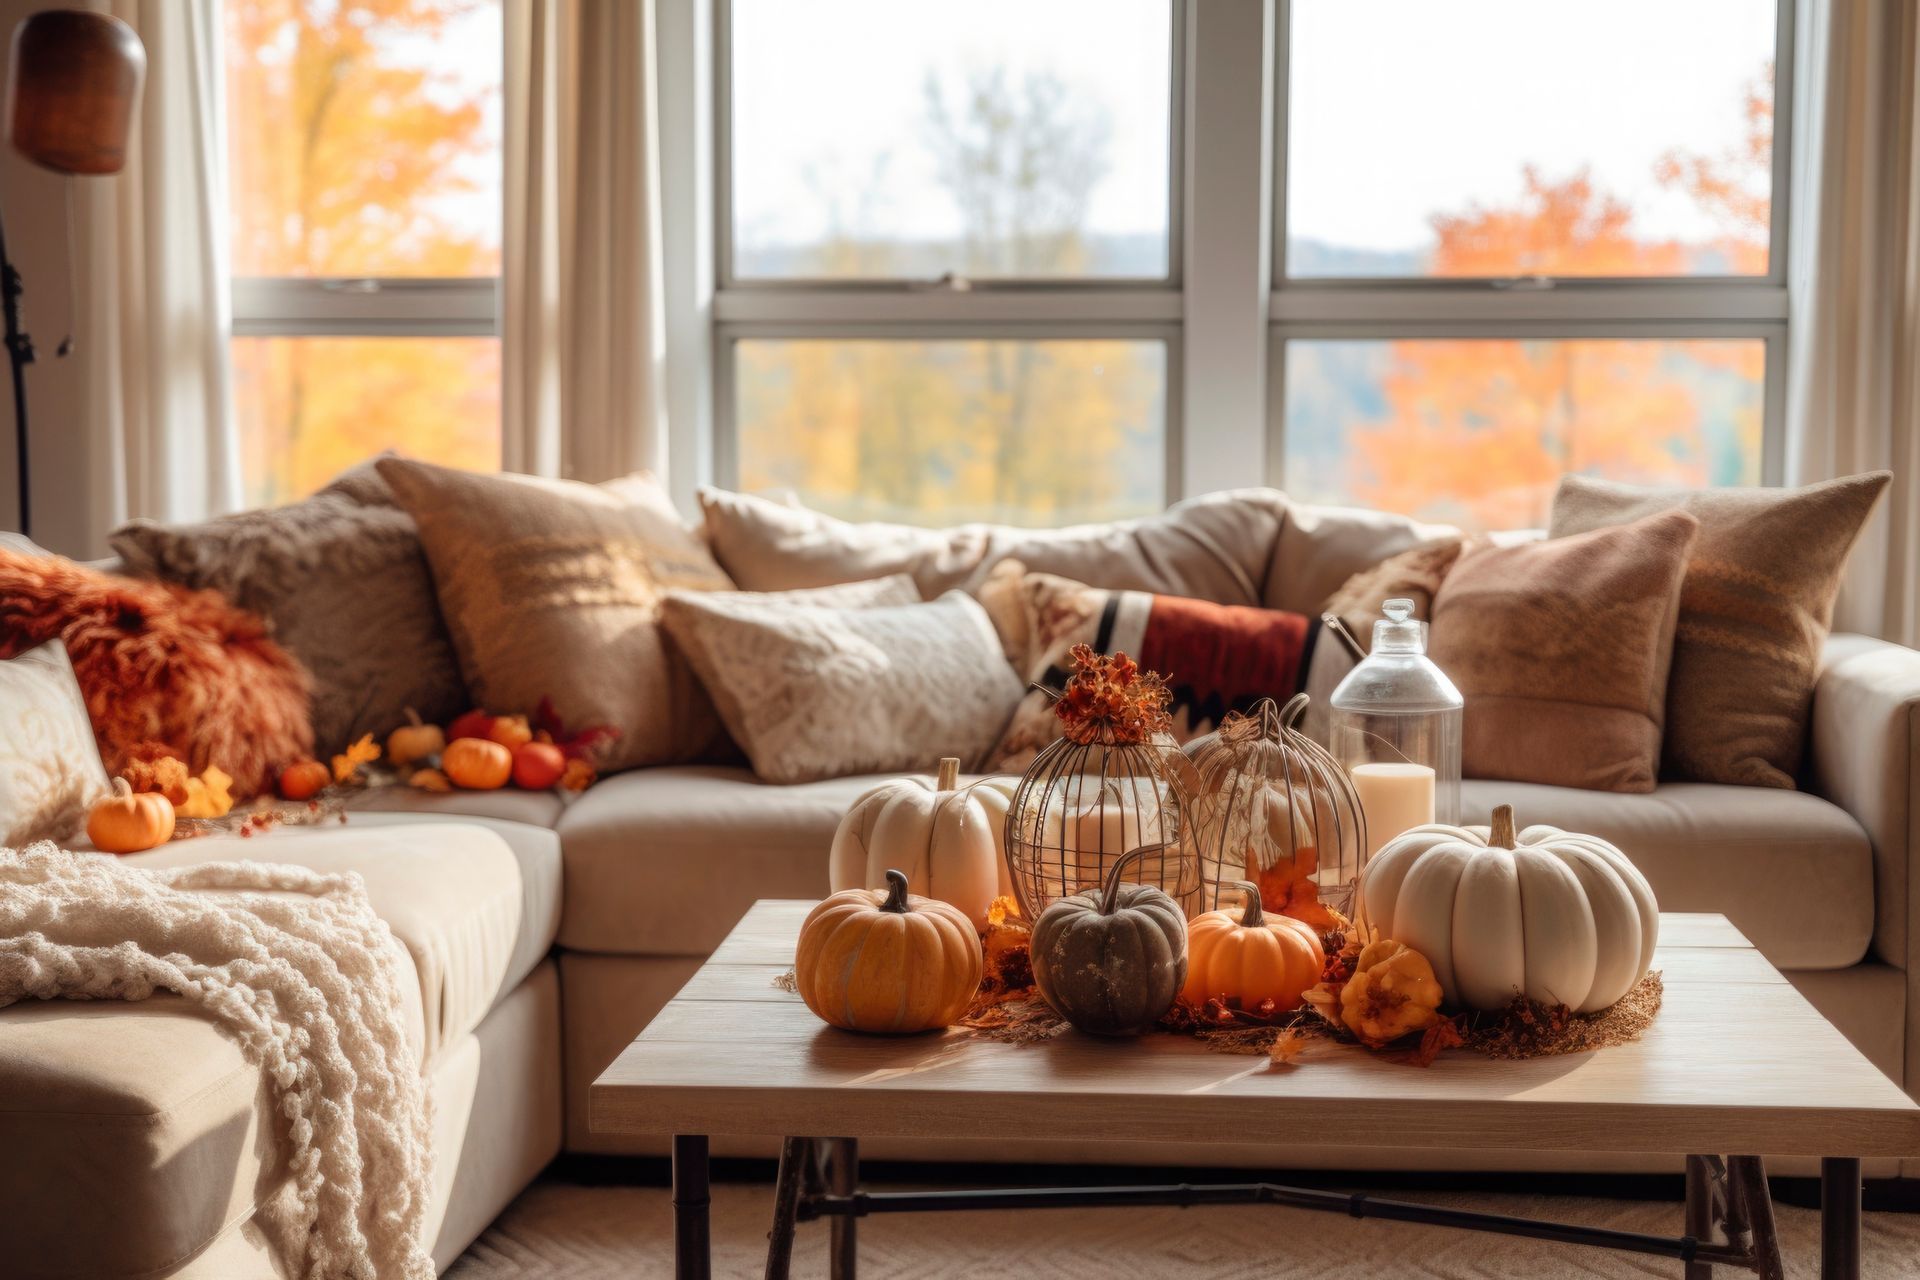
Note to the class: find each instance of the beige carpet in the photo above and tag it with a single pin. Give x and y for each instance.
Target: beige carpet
(563, 1231)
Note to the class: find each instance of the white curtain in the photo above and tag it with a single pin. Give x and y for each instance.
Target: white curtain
(1854, 369)
(155, 316)
(583, 338)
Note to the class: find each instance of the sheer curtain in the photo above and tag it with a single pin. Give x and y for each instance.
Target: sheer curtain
(1854, 369)
(583, 336)
(156, 314)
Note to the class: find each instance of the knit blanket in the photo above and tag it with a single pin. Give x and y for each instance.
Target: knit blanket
(296, 967)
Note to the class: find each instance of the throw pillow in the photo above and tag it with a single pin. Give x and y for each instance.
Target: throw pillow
(813, 692)
(159, 664)
(342, 580)
(551, 588)
(1216, 658)
(1754, 613)
(1561, 651)
(1413, 575)
(50, 771)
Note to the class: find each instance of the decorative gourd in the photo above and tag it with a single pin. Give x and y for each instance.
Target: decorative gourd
(1392, 993)
(1563, 918)
(879, 960)
(414, 741)
(949, 840)
(130, 821)
(1112, 960)
(477, 764)
(470, 724)
(537, 765)
(303, 779)
(510, 731)
(1251, 957)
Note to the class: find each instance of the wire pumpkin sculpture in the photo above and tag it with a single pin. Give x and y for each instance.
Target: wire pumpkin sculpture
(1109, 785)
(1270, 805)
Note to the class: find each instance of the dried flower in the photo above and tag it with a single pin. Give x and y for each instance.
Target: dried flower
(164, 774)
(578, 774)
(430, 780)
(1110, 699)
(584, 744)
(347, 765)
(208, 796)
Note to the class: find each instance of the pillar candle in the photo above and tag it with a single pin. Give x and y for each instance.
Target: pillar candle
(1395, 798)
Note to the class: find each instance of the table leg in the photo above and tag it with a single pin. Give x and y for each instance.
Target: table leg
(1699, 1212)
(692, 1244)
(795, 1154)
(843, 1179)
(1747, 1179)
(1840, 1219)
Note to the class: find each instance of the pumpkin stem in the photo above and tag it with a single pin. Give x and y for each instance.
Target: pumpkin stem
(949, 777)
(413, 718)
(1254, 917)
(1110, 892)
(122, 789)
(1501, 836)
(896, 893)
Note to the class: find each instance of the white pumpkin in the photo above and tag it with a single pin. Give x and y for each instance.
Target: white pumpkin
(1564, 918)
(948, 839)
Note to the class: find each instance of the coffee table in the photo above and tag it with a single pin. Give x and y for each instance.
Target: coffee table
(1737, 1066)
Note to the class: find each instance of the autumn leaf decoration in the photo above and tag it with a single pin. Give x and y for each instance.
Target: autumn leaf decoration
(1111, 700)
(347, 764)
(575, 744)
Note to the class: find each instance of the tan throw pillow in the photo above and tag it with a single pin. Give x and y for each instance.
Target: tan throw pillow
(1413, 575)
(810, 691)
(1754, 613)
(552, 588)
(1561, 651)
(342, 582)
(50, 770)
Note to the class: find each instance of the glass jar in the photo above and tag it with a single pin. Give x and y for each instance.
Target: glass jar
(1395, 728)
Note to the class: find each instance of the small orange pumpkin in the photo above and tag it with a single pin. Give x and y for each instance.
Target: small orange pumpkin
(879, 960)
(130, 821)
(537, 765)
(303, 779)
(477, 764)
(510, 731)
(1253, 959)
(414, 741)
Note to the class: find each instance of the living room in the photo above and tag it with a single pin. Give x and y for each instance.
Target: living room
(731, 637)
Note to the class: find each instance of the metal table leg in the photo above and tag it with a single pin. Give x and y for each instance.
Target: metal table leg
(1747, 1182)
(692, 1243)
(1699, 1212)
(1840, 1219)
(795, 1155)
(843, 1179)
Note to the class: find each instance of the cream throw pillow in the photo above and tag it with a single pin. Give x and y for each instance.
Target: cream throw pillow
(50, 770)
(552, 588)
(810, 691)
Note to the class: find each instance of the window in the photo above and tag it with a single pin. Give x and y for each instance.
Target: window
(1520, 240)
(364, 144)
(949, 257)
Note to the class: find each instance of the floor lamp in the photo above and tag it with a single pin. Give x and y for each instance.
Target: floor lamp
(72, 83)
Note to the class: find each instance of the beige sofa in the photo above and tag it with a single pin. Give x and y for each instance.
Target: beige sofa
(546, 933)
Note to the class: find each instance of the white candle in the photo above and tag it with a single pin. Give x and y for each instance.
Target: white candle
(1395, 798)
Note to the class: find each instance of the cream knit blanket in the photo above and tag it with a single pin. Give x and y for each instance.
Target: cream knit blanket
(295, 966)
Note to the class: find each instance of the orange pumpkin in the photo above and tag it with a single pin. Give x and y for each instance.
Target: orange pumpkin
(537, 765)
(477, 764)
(130, 821)
(880, 960)
(303, 779)
(510, 731)
(414, 741)
(1253, 959)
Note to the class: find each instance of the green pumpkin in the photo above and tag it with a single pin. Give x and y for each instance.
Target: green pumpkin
(1112, 960)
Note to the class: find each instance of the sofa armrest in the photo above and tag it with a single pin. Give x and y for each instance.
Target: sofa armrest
(1866, 758)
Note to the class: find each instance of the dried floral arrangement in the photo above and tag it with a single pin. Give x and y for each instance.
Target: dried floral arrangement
(1110, 699)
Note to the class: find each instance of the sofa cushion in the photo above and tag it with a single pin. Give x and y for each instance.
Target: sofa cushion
(508, 804)
(1792, 871)
(1319, 548)
(665, 861)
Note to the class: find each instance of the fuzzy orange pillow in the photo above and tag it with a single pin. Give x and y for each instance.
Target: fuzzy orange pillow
(161, 664)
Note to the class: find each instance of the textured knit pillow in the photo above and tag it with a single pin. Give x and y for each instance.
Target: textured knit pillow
(50, 771)
(812, 692)
(341, 579)
(552, 589)
(1216, 658)
(1561, 651)
(1754, 613)
(159, 664)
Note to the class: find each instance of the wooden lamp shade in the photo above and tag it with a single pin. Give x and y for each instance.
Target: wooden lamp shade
(74, 78)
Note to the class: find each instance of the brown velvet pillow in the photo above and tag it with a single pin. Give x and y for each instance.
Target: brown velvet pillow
(552, 588)
(1561, 651)
(341, 579)
(163, 668)
(1754, 613)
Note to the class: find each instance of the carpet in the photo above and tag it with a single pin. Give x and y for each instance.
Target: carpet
(567, 1231)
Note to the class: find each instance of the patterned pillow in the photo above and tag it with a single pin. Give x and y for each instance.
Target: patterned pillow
(1216, 658)
(50, 771)
(811, 691)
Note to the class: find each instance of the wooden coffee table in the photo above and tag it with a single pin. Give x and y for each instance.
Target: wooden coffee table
(1736, 1067)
